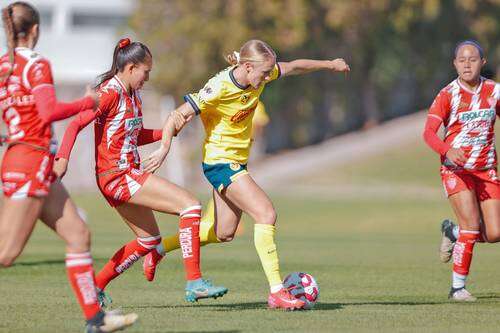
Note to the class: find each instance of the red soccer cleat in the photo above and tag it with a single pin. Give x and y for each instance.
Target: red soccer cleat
(284, 300)
(151, 261)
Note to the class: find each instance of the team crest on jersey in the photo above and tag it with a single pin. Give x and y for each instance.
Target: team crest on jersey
(492, 101)
(235, 166)
(244, 99)
(492, 174)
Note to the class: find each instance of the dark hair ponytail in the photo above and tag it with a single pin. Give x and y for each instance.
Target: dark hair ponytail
(17, 25)
(125, 53)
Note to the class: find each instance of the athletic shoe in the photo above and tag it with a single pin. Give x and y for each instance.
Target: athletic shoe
(447, 241)
(110, 321)
(461, 295)
(103, 298)
(284, 300)
(202, 288)
(151, 261)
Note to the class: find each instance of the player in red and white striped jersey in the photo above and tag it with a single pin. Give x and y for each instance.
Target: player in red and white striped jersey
(133, 192)
(468, 108)
(31, 190)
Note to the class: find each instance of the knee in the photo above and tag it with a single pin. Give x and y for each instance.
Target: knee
(7, 261)
(190, 202)
(225, 237)
(493, 237)
(267, 216)
(79, 238)
(7, 258)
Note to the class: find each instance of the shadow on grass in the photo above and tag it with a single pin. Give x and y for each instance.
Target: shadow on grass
(40, 263)
(322, 306)
(223, 331)
(238, 306)
(48, 262)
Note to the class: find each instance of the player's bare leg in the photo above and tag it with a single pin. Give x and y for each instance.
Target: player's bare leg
(60, 214)
(490, 212)
(17, 220)
(245, 194)
(163, 196)
(466, 209)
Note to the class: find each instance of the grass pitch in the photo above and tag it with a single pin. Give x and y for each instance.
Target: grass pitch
(374, 257)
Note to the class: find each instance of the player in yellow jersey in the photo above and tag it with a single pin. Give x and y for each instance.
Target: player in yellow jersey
(226, 105)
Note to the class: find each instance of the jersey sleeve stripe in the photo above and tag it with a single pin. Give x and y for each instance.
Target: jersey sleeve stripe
(190, 100)
(42, 85)
(435, 116)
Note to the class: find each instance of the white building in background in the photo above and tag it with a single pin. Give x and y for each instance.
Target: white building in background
(78, 37)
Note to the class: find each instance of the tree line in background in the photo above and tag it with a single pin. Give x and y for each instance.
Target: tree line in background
(400, 52)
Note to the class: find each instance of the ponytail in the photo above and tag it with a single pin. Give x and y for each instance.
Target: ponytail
(125, 52)
(233, 58)
(252, 51)
(17, 24)
(10, 35)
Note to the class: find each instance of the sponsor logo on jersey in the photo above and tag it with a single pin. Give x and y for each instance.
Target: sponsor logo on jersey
(133, 123)
(481, 114)
(14, 175)
(241, 115)
(25, 100)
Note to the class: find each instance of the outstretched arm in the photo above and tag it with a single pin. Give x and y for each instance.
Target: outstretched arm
(174, 124)
(303, 66)
(62, 156)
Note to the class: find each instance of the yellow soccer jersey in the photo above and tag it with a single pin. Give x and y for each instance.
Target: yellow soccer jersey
(226, 109)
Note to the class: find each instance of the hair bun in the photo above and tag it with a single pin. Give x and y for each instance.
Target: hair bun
(123, 42)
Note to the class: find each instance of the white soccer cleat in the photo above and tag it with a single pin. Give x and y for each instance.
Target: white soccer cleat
(112, 321)
(447, 241)
(461, 295)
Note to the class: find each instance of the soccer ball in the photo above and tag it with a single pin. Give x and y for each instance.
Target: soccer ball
(304, 287)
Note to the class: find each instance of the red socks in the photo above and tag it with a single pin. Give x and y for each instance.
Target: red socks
(124, 258)
(189, 238)
(81, 275)
(462, 252)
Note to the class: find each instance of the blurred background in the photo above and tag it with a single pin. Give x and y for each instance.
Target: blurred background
(400, 53)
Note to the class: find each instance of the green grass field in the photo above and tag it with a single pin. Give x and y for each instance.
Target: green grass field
(374, 257)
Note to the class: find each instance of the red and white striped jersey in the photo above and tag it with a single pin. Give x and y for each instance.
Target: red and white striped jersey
(31, 71)
(117, 127)
(469, 120)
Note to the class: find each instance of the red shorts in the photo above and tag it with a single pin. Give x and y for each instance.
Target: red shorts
(26, 172)
(484, 183)
(118, 187)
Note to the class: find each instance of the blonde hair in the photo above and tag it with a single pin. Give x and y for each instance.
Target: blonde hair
(254, 51)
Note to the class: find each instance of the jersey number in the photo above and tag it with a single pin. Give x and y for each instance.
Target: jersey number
(13, 119)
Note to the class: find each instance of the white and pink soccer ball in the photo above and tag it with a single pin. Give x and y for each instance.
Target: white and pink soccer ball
(304, 287)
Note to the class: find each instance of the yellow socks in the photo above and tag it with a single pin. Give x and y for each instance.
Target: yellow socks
(207, 236)
(266, 248)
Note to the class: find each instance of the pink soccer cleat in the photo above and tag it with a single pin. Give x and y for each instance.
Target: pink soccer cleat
(284, 300)
(151, 261)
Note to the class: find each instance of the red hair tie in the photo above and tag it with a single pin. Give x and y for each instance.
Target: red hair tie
(123, 42)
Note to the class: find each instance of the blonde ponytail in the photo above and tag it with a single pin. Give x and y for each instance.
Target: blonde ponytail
(253, 51)
(233, 58)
